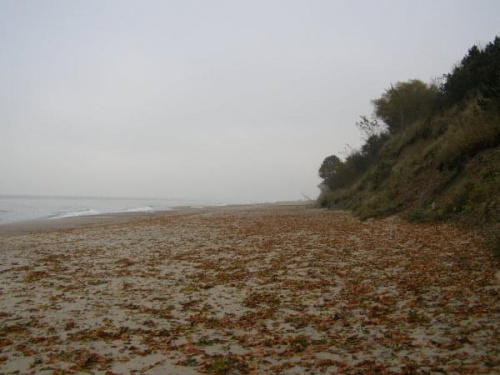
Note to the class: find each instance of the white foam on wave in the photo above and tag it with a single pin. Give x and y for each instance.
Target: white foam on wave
(135, 209)
(91, 211)
(86, 212)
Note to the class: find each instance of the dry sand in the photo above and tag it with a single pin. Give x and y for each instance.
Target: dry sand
(251, 289)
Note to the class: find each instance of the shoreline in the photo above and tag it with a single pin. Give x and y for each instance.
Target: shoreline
(75, 222)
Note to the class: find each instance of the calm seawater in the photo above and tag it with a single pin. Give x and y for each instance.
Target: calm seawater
(20, 208)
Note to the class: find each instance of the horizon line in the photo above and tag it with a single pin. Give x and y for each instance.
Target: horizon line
(65, 196)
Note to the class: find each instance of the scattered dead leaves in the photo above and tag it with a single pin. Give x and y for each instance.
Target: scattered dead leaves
(251, 291)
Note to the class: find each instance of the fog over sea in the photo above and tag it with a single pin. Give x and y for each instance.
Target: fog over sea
(21, 208)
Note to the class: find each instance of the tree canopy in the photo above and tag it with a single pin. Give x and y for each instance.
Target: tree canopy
(404, 103)
(478, 74)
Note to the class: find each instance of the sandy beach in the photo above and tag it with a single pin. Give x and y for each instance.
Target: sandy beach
(246, 290)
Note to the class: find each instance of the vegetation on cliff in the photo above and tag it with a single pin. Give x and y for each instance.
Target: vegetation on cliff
(431, 152)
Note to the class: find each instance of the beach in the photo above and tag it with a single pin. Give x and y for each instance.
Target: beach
(257, 289)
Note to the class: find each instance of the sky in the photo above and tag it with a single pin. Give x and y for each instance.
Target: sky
(225, 101)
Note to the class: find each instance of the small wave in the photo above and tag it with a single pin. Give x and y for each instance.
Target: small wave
(91, 211)
(136, 209)
(87, 212)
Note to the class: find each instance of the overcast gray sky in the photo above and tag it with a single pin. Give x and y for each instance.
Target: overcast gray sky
(231, 101)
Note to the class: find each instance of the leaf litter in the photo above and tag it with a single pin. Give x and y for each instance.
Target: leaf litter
(268, 289)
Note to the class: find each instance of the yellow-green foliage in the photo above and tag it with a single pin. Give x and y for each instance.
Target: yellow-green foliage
(440, 168)
(439, 158)
(468, 132)
(496, 244)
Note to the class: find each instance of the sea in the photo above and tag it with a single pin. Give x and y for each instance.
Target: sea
(16, 208)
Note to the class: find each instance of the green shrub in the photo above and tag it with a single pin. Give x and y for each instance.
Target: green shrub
(462, 197)
(380, 173)
(416, 215)
(470, 132)
(440, 147)
(496, 246)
